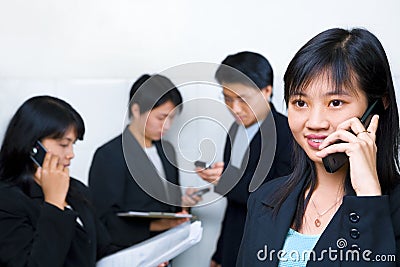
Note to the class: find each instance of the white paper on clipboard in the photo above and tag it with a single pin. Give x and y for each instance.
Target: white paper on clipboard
(158, 249)
(154, 215)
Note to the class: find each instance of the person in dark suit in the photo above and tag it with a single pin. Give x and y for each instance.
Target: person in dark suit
(257, 147)
(46, 218)
(137, 171)
(320, 215)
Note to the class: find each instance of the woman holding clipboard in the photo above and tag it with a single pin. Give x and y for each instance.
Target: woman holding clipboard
(136, 171)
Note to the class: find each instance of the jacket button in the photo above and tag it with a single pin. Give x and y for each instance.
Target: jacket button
(354, 233)
(354, 217)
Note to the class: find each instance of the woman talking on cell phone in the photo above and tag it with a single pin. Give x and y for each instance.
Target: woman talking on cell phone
(319, 216)
(45, 216)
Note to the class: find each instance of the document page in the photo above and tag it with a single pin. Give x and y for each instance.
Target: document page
(158, 249)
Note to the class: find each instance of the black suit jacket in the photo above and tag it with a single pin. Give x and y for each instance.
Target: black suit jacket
(35, 233)
(362, 223)
(115, 190)
(268, 157)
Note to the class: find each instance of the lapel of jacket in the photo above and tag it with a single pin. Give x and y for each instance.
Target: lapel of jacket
(275, 227)
(141, 168)
(264, 143)
(231, 174)
(78, 206)
(257, 159)
(275, 236)
(229, 142)
(283, 218)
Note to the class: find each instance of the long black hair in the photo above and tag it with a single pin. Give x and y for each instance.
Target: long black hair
(351, 59)
(38, 117)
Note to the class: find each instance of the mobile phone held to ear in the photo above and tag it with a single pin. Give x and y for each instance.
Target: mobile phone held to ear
(200, 192)
(38, 153)
(335, 161)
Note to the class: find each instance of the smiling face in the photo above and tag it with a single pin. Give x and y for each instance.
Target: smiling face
(62, 147)
(316, 111)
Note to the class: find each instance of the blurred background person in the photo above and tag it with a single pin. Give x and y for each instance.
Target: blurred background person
(257, 147)
(135, 170)
(46, 218)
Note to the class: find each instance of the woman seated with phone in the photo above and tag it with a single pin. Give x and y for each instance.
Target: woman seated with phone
(45, 216)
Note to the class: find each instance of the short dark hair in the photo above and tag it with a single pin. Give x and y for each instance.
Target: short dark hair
(254, 70)
(151, 91)
(37, 118)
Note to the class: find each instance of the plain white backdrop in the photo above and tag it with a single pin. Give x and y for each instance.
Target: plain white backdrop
(89, 52)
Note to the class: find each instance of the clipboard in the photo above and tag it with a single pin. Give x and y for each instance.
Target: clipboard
(154, 215)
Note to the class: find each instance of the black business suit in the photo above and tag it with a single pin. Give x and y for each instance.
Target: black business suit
(115, 190)
(36, 233)
(366, 223)
(268, 157)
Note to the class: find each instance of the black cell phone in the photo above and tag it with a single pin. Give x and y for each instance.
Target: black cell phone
(200, 164)
(335, 161)
(38, 153)
(200, 192)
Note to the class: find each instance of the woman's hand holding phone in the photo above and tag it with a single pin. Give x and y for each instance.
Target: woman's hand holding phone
(361, 150)
(54, 180)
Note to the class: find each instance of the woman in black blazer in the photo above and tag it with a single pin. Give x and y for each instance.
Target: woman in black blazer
(45, 217)
(136, 171)
(326, 213)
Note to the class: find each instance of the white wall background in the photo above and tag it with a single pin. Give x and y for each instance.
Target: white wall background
(88, 52)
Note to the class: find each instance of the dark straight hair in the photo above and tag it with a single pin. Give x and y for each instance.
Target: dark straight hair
(151, 91)
(247, 68)
(350, 59)
(38, 118)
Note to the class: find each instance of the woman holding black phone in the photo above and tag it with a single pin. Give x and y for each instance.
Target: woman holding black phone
(326, 213)
(46, 218)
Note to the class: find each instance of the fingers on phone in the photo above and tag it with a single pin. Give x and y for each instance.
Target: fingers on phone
(46, 161)
(218, 164)
(188, 201)
(194, 199)
(373, 126)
